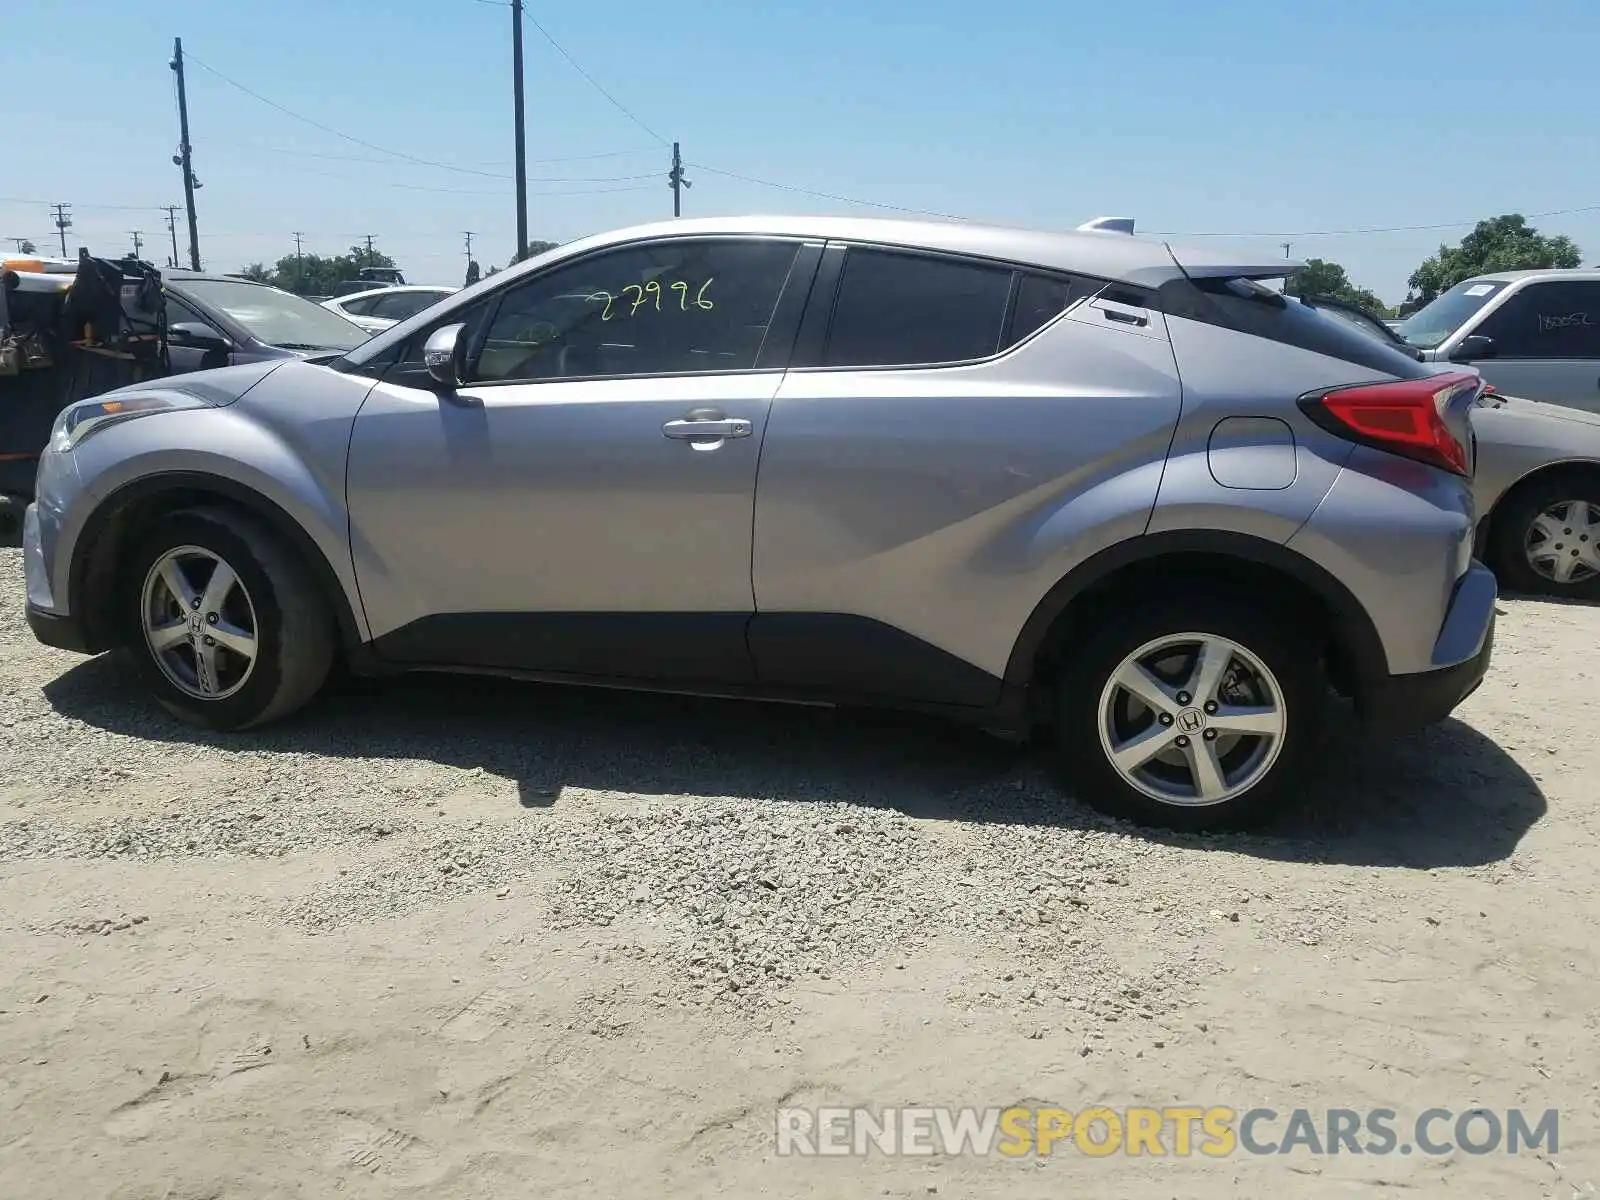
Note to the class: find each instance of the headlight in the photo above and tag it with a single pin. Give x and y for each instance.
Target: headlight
(78, 421)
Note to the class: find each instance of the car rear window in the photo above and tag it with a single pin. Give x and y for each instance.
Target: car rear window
(1249, 306)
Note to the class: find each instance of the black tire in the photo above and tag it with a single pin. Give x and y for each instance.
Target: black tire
(1512, 521)
(295, 630)
(1270, 633)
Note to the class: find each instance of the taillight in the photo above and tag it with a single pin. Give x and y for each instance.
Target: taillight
(1405, 417)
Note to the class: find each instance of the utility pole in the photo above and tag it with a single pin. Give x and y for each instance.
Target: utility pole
(138, 243)
(469, 247)
(20, 243)
(172, 227)
(184, 159)
(676, 181)
(299, 262)
(368, 261)
(521, 131)
(63, 223)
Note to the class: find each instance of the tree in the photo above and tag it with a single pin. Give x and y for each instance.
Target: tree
(534, 248)
(1505, 243)
(26, 247)
(316, 274)
(1328, 281)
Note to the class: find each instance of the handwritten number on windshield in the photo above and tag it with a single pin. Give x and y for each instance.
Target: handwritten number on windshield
(640, 294)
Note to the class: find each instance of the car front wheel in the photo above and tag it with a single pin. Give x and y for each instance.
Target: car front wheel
(223, 624)
(1193, 714)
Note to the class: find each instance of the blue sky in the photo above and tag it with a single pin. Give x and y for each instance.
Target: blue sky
(1278, 119)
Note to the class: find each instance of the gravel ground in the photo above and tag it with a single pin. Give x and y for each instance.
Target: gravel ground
(468, 939)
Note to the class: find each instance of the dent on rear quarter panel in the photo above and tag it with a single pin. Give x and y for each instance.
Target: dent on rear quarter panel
(1226, 376)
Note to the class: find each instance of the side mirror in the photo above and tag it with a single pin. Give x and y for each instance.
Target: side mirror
(444, 355)
(197, 336)
(1472, 348)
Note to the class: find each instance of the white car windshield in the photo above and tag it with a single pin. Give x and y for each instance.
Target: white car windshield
(1434, 322)
(277, 318)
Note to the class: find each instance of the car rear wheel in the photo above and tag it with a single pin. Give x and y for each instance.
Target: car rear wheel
(223, 624)
(1197, 713)
(1546, 540)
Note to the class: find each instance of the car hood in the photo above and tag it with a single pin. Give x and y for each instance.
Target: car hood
(219, 386)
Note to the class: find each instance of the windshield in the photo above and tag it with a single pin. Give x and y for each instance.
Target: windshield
(1433, 323)
(278, 318)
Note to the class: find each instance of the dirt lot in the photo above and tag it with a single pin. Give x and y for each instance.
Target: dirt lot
(450, 939)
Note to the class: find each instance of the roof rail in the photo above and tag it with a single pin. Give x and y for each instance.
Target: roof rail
(1107, 225)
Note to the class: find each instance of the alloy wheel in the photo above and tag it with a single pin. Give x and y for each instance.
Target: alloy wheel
(199, 623)
(1192, 719)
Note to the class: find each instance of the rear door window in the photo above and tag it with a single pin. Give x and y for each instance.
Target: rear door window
(1547, 320)
(401, 305)
(1042, 298)
(902, 309)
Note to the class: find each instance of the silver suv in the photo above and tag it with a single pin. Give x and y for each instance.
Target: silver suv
(1534, 334)
(1083, 485)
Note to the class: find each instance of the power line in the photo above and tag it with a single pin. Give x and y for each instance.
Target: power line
(273, 104)
(785, 187)
(418, 187)
(1309, 233)
(102, 207)
(592, 82)
(381, 162)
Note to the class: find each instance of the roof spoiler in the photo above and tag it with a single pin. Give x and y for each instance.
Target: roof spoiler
(1107, 225)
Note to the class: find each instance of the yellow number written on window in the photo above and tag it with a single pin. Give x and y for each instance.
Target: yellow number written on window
(639, 295)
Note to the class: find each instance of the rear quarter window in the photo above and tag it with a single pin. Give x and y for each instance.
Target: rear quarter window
(1241, 306)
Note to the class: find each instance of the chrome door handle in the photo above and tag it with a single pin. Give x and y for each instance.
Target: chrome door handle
(695, 428)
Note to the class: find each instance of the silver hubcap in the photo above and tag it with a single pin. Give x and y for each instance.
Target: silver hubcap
(1192, 719)
(1561, 543)
(199, 623)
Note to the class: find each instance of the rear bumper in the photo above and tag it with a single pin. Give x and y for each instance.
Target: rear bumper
(1399, 704)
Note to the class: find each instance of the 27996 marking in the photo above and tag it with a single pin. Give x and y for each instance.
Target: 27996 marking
(645, 293)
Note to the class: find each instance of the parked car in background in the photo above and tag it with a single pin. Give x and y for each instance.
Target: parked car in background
(1534, 334)
(919, 464)
(222, 320)
(1537, 484)
(368, 278)
(380, 308)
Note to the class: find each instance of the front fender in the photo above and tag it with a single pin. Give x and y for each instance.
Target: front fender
(283, 452)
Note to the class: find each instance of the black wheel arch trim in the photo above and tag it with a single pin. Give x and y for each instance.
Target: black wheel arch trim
(88, 556)
(1357, 635)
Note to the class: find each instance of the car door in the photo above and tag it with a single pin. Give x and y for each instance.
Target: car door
(582, 505)
(936, 412)
(1546, 343)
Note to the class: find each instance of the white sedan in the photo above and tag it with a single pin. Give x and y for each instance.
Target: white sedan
(380, 308)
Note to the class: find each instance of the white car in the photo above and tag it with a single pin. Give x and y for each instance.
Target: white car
(1534, 334)
(380, 308)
